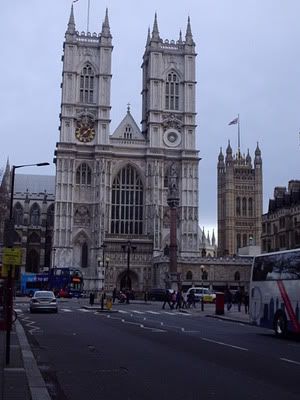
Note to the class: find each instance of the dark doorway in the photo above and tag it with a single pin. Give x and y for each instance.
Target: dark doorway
(125, 283)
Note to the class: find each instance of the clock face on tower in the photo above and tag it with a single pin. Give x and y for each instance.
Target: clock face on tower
(85, 131)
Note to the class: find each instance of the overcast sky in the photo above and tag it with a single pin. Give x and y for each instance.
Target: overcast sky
(248, 63)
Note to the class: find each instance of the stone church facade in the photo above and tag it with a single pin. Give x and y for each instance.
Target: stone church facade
(239, 201)
(111, 187)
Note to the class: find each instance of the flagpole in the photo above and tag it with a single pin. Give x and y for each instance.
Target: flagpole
(239, 136)
(88, 17)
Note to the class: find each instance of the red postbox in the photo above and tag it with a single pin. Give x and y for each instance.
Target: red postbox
(220, 303)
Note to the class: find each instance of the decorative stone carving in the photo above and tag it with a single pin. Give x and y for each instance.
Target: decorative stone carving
(81, 216)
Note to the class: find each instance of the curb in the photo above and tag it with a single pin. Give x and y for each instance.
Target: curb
(240, 321)
(36, 383)
(98, 309)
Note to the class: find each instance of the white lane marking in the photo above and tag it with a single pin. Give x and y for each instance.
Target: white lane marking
(224, 344)
(153, 312)
(183, 330)
(137, 312)
(65, 309)
(290, 361)
(83, 310)
(123, 312)
(169, 313)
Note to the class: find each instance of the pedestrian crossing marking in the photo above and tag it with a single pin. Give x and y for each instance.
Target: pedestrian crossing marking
(65, 309)
(123, 312)
(153, 312)
(138, 312)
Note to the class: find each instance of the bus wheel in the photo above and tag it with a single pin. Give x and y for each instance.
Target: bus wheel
(280, 324)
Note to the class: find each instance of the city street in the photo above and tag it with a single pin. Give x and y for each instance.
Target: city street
(144, 352)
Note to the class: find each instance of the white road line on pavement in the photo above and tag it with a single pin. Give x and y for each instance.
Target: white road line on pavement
(224, 344)
(166, 312)
(65, 309)
(153, 312)
(18, 310)
(123, 312)
(83, 310)
(186, 331)
(138, 312)
(290, 361)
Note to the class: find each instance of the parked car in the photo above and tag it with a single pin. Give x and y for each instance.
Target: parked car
(158, 294)
(207, 294)
(43, 300)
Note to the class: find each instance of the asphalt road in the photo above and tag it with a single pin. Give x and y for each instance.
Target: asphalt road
(143, 352)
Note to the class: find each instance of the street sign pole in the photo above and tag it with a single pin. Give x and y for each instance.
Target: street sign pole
(9, 306)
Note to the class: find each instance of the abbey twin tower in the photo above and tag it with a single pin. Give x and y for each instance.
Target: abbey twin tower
(112, 187)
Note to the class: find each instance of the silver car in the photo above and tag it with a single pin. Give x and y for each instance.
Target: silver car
(43, 300)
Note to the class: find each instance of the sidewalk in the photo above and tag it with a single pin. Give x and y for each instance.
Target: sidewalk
(21, 379)
(232, 315)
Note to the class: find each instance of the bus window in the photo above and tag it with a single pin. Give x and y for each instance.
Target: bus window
(290, 266)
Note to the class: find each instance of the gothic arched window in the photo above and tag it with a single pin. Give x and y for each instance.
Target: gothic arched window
(127, 202)
(83, 175)
(35, 215)
(84, 255)
(244, 239)
(250, 207)
(244, 206)
(189, 276)
(204, 275)
(87, 79)
(238, 241)
(238, 206)
(50, 215)
(237, 276)
(32, 261)
(172, 92)
(18, 214)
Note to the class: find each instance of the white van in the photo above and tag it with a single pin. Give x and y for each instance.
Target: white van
(207, 294)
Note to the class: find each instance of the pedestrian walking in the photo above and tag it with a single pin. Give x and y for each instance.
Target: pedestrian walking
(246, 302)
(167, 300)
(146, 296)
(238, 299)
(92, 299)
(178, 299)
(228, 298)
(114, 294)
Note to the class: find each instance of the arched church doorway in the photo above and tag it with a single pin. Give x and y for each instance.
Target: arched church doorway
(128, 281)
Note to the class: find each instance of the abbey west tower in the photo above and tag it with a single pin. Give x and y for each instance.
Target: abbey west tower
(239, 201)
(111, 187)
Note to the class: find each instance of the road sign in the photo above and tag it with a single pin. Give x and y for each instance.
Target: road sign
(12, 256)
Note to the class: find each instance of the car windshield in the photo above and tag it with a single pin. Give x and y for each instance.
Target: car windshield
(47, 295)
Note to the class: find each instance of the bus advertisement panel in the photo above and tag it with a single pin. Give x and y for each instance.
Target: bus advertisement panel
(64, 282)
(275, 291)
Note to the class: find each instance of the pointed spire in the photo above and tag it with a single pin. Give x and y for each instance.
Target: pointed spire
(257, 159)
(248, 158)
(148, 37)
(229, 149)
(188, 35)
(213, 239)
(71, 23)
(221, 156)
(155, 32)
(105, 26)
(180, 37)
(208, 238)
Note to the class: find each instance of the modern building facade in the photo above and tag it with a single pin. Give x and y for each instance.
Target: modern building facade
(111, 187)
(281, 224)
(240, 186)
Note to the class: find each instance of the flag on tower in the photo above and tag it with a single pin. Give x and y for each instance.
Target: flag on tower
(234, 121)
(75, 1)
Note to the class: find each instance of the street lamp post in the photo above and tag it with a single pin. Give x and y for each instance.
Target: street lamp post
(128, 248)
(10, 235)
(202, 297)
